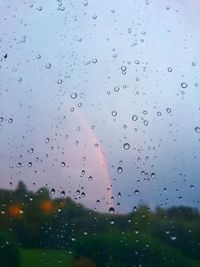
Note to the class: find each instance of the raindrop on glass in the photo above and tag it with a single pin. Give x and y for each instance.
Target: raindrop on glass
(53, 191)
(62, 164)
(59, 81)
(173, 237)
(48, 66)
(136, 192)
(82, 194)
(111, 210)
(169, 69)
(126, 146)
(134, 117)
(114, 113)
(119, 170)
(62, 193)
(47, 140)
(184, 85)
(74, 95)
(197, 129)
(123, 68)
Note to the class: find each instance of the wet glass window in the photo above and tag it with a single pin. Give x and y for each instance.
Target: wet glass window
(99, 133)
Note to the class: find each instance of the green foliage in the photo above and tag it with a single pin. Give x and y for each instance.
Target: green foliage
(9, 253)
(83, 262)
(41, 258)
(117, 249)
(164, 237)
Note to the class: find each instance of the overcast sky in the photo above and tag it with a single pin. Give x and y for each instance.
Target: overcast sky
(101, 99)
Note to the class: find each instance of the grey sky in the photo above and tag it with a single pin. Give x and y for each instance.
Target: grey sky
(131, 57)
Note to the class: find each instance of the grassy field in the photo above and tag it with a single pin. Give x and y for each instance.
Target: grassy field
(52, 258)
(42, 258)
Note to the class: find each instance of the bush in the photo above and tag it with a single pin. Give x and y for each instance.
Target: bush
(9, 253)
(127, 250)
(83, 262)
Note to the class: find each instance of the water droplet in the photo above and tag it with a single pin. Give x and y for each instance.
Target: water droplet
(74, 95)
(53, 191)
(31, 150)
(116, 89)
(30, 164)
(59, 81)
(111, 210)
(62, 164)
(197, 129)
(20, 79)
(136, 231)
(39, 8)
(90, 178)
(119, 194)
(146, 122)
(126, 146)
(136, 192)
(134, 117)
(48, 66)
(173, 237)
(62, 193)
(167, 232)
(10, 120)
(94, 61)
(1, 119)
(123, 68)
(119, 170)
(169, 69)
(82, 194)
(168, 110)
(47, 140)
(114, 113)
(153, 175)
(184, 85)
(129, 30)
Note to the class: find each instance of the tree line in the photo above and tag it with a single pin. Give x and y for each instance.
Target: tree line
(163, 237)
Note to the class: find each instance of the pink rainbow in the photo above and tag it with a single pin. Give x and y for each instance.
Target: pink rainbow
(101, 156)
